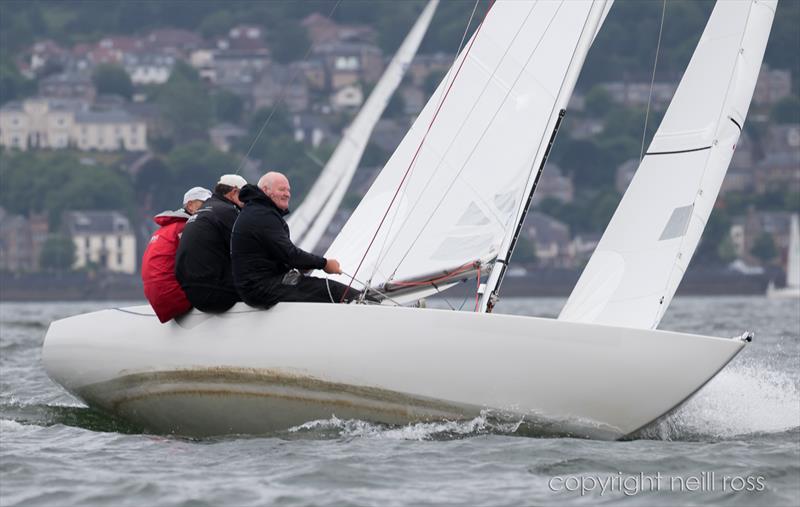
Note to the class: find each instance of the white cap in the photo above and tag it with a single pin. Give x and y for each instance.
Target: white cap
(232, 180)
(196, 194)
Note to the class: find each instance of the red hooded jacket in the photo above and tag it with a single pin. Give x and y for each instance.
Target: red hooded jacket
(158, 267)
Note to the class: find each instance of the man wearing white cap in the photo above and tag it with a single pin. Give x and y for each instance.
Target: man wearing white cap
(203, 263)
(158, 264)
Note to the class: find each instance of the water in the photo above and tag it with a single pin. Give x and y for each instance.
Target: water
(737, 442)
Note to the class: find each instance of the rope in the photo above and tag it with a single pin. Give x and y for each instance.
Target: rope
(416, 153)
(281, 97)
(652, 80)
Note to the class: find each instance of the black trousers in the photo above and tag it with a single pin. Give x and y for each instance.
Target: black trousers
(212, 300)
(306, 289)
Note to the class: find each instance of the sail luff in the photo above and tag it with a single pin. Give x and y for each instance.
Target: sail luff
(639, 262)
(310, 220)
(594, 20)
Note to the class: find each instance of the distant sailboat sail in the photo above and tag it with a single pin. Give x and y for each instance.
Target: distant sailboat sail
(310, 220)
(793, 262)
(643, 254)
(449, 198)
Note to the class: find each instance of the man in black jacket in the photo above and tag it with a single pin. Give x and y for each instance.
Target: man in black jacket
(203, 261)
(265, 261)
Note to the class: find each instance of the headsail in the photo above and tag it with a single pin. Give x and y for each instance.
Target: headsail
(643, 254)
(450, 194)
(309, 221)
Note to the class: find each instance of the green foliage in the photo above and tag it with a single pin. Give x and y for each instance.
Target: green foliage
(112, 79)
(589, 212)
(396, 108)
(716, 232)
(55, 182)
(786, 110)
(524, 251)
(599, 101)
(58, 253)
(185, 103)
(227, 106)
(726, 251)
(13, 85)
(764, 248)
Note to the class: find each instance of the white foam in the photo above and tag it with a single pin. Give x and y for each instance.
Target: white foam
(742, 399)
(417, 431)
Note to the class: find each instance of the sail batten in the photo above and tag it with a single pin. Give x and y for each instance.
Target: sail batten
(639, 262)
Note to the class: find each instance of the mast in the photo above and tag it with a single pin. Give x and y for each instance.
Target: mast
(489, 291)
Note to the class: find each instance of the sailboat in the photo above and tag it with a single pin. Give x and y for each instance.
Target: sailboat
(310, 220)
(792, 289)
(449, 206)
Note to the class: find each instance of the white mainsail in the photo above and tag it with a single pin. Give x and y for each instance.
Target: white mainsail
(793, 261)
(451, 193)
(310, 220)
(643, 254)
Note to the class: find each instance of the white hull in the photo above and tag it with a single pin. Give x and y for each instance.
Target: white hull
(253, 371)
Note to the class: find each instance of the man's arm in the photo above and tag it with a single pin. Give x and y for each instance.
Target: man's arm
(285, 250)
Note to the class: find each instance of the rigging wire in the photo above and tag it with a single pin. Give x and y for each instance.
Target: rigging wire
(416, 153)
(281, 98)
(441, 98)
(652, 80)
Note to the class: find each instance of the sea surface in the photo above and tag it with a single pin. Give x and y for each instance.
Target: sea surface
(737, 442)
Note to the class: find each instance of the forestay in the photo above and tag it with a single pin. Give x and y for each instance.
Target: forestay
(460, 173)
(643, 254)
(310, 220)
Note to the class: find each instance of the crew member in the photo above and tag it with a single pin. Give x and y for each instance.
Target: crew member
(161, 288)
(203, 264)
(266, 262)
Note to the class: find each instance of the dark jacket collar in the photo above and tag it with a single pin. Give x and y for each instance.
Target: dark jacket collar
(252, 194)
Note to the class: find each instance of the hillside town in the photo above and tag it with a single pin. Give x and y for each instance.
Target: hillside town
(115, 105)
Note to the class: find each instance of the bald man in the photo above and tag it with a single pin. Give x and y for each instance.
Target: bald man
(266, 262)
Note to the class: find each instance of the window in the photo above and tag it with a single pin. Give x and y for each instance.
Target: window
(119, 258)
(119, 243)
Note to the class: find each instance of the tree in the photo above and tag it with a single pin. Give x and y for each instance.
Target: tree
(185, 104)
(58, 253)
(112, 80)
(764, 248)
(227, 106)
(598, 101)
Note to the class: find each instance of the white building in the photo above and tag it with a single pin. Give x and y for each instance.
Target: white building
(102, 238)
(61, 123)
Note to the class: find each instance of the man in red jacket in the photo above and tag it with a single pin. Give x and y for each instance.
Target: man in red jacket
(161, 288)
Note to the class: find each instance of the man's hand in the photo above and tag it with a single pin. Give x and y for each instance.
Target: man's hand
(332, 267)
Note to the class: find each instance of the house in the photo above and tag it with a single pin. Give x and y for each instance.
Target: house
(21, 241)
(311, 129)
(173, 42)
(102, 238)
(68, 85)
(638, 94)
(349, 97)
(550, 237)
(148, 68)
(554, 185)
(772, 85)
(277, 86)
(60, 123)
(223, 135)
(746, 230)
(424, 65)
(323, 30)
(348, 63)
